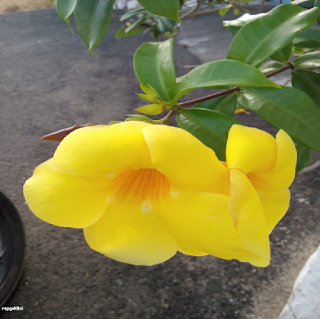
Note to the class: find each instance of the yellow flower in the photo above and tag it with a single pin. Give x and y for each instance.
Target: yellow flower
(141, 192)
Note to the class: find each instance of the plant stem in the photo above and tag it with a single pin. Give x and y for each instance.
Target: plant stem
(287, 67)
(225, 92)
(166, 119)
(208, 97)
(310, 168)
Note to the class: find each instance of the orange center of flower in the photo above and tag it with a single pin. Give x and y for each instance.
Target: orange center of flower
(140, 185)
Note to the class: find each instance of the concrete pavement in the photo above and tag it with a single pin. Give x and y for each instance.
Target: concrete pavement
(49, 81)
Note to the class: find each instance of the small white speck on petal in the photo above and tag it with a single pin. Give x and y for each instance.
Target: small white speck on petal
(146, 207)
(174, 193)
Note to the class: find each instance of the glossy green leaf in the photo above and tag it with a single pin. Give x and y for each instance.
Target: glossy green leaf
(210, 127)
(243, 20)
(308, 61)
(93, 18)
(308, 82)
(269, 67)
(289, 109)
(260, 38)
(224, 10)
(284, 54)
(235, 25)
(153, 64)
(165, 24)
(166, 8)
(224, 104)
(65, 8)
(303, 3)
(137, 22)
(132, 13)
(222, 73)
(121, 33)
(303, 157)
(308, 39)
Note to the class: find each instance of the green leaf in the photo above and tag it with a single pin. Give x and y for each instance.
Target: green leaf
(308, 61)
(149, 90)
(65, 8)
(260, 38)
(210, 127)
(140, 118)
(222, 73)
(235, 25)
(224, 104)
(154, 65)
(148, 98)
(308, 39)
(93, 18)
(289, 109)
(317, 5)
(236, 11)
(121, 33)
(303, 3)
(167, 8)
(269, 67)
(234, 29)
(155, 32)
(304, 157)
(132, 13)
(298, 51)
(284, 54)
(138, 22)
(152, 109)
(308, 82)
(165, 24)
(224, 10)
(243, 20)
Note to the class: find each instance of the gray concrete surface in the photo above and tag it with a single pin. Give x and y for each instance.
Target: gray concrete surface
(304, 302)
(48, 81)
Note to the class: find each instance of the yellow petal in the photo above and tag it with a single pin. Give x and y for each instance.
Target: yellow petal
(275, 205)
(250, 149)
(65, 200)
(201, 224)
(101, 150)
(246, 210)
(131, 234)
(282, 175)
(187, 163)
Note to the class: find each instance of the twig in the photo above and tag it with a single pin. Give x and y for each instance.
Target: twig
(287, 67)
(208, 97)
(166, 119)
(60, 135)
(195, 8)
(262, 5)
(225, 92)
(310, 168)
(186, 66)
